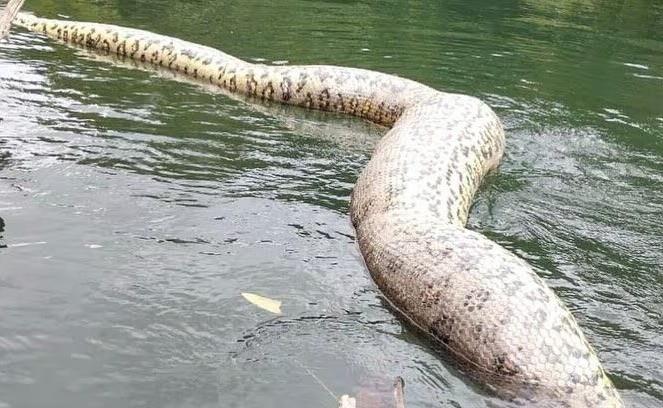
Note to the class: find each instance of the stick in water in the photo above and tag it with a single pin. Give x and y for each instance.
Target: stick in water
(399, 395)
(7, 16)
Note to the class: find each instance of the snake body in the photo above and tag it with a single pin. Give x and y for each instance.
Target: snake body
(487, 307)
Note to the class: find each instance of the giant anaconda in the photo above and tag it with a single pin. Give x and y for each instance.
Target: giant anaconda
(489, 309)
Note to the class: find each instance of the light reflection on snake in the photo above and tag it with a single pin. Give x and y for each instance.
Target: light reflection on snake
(487, 307)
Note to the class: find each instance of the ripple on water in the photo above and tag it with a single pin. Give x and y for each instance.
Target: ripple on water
(354, 356)
(569, 204)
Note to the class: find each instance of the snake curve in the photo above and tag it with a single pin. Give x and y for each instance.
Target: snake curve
(488, 309)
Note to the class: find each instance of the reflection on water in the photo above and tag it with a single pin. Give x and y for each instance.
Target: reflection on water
(140, 207)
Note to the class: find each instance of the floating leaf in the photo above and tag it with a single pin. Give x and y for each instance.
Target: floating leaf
(262, 302)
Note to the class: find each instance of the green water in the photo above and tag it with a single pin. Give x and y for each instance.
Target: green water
(137, 208)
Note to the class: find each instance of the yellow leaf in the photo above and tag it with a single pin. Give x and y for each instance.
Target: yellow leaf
(262, 302)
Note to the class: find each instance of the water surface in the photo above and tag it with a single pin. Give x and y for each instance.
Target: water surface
(136, 208)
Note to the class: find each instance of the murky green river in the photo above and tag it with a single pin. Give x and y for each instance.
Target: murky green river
(135, 208)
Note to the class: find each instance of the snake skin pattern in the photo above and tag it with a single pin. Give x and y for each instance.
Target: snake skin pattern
(487, 307)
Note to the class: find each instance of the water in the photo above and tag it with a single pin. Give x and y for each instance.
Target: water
(137, 208)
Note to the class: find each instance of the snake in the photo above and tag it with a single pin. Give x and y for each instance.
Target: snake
(484, 306)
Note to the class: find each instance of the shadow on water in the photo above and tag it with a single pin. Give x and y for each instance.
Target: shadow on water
(2, 230)
(4, 162)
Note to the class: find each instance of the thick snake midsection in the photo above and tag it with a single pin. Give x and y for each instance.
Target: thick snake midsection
(488, 308)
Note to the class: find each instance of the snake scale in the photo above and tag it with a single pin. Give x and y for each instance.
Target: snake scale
(488, 309)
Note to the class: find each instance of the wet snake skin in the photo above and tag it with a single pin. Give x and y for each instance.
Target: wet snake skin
(487, 308)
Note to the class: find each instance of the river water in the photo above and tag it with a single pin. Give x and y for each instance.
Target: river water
(136, 208)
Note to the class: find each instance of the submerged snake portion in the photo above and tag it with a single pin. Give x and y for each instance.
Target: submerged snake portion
(486, 306)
